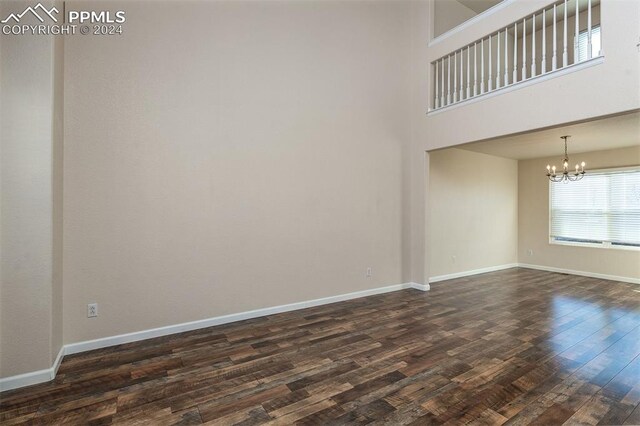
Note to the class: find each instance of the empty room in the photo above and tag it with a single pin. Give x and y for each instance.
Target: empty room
(320, 212)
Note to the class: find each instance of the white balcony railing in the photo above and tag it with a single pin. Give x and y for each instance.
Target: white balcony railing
(559, 36)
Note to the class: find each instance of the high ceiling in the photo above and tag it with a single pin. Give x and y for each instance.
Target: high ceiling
(479, 6)
(614, 132)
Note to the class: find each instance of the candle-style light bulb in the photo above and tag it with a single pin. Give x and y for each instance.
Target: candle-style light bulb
(548, 167)
(576, 169)
(583, 164)
(554, 169)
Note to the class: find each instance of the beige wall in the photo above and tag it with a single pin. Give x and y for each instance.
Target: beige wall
(57, 158)
(533, 219)
(417, 164)
(29, 337)
(229, 156)
(473, 217)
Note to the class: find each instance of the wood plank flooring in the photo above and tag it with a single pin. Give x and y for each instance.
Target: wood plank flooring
(512, 347)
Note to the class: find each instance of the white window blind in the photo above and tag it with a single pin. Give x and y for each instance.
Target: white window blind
(602, 208)
(583, 43)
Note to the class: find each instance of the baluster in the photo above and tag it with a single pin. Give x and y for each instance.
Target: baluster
(524, 49)
(475, 69)
(498, 69)
(576, 37)
(449, 80)
(543, 65)
(490, 83)
(461, 75)
(515, 52)
(554, 60)
(506, 57)
(482, 66)
(589, 52)
(533, 46)
(435, 102)
(455, 77)
(468, 72)
(442, 85)
(565, 55)
(601, 50)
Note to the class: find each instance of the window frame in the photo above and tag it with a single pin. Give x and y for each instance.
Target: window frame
(591, 244)
(584, 34)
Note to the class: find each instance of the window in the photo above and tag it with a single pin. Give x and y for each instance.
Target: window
(583, 42)
(601, 209)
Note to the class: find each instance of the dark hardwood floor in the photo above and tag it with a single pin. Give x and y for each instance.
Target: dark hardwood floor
(512, 347)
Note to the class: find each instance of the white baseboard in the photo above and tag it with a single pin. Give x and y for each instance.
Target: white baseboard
(32, 378)
(41, 376)
(581, 273)
(472, 272)
(26, 379)
(56, 363)
(421, 287)
(45, 375)
(48, 374)
(225, 319)
(538, 267)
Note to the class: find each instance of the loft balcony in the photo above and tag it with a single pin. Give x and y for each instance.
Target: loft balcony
(560, 38)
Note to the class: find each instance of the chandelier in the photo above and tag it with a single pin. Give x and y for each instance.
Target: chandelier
(565, 175)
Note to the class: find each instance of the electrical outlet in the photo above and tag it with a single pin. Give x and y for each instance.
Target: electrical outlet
(92, 310)
(369, 272)
(530, 252)
(453, 259)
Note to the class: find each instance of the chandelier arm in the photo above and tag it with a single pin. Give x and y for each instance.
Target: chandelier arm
(576, 177)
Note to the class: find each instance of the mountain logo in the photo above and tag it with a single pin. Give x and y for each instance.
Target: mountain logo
(34, 11)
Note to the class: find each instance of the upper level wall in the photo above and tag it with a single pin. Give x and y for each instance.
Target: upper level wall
(607, 88)
(449, 14)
